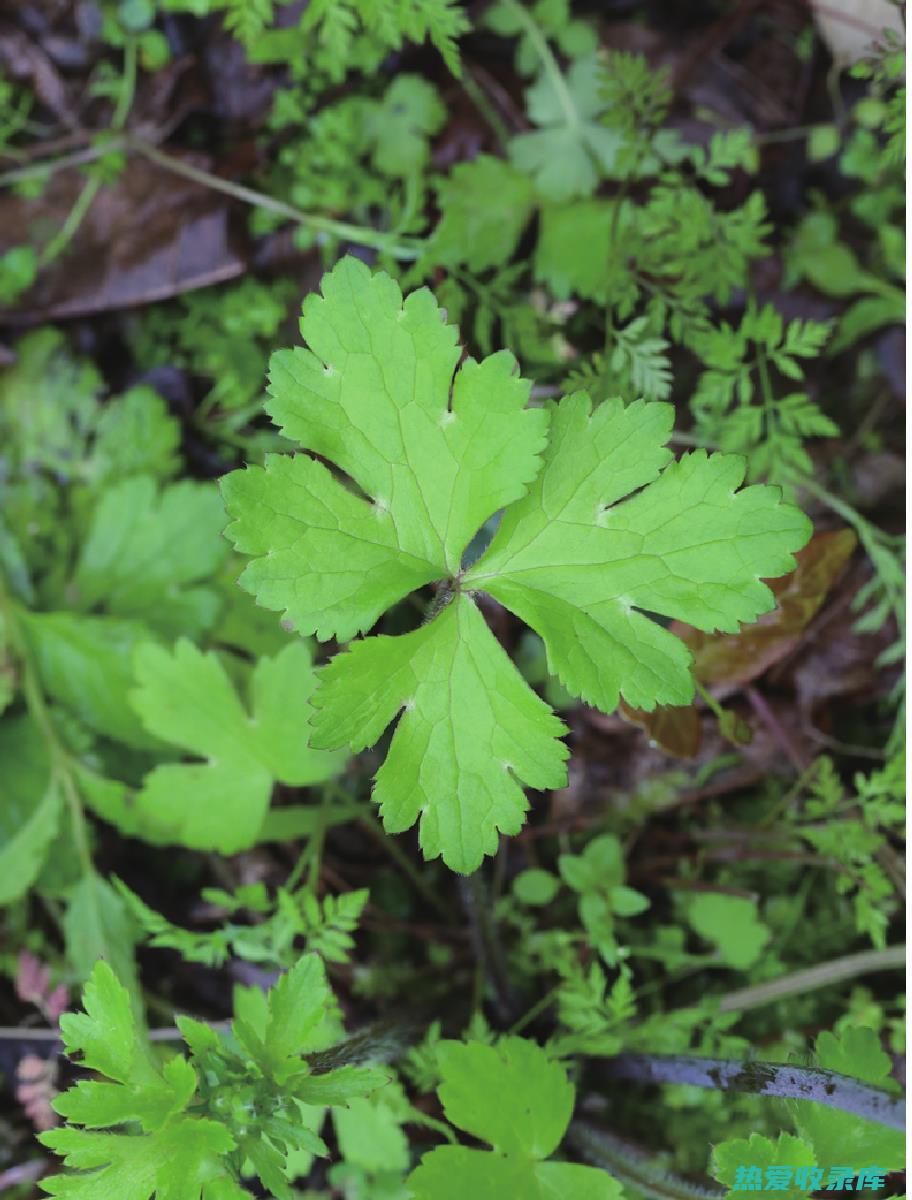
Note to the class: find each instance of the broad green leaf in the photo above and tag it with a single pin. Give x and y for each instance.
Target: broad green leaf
(737, 658)
(471, 731)
(454, 1172)
(731, 923)
(104, 1034)
(510, 1095)
(485, 205)
(740, 1163)
(574, 249)
(409, 113)
(48, 404)
(135, 435)
(582, 569)
(144, 550)
(370, 1133)
(96, 926)
(186, 698)
(570, 1181)
(572, 557)
(866, 315)
(839, 1137)
(515, 1098)
(535, 887)
(30, 806)
(85, 664)
(572, 149)
(297, 1004)
(172, 1164)
(373, 395)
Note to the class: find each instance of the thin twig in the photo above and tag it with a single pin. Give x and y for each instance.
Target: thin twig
(376, 238)
(486, 943)
(821, 975)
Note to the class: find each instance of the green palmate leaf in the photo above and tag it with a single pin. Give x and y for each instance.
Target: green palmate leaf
(731, 923)
(470, 733)
(174, 1156)
(516, 1099)
(841, 1137)
(567, 155)
(574, 248)
(582, 569)
(373, 396)
(135, 435)
(187, 699)
(30, 806)
(96, 926)
(180, 1162)
(144, 548)
(758, 1163)
(240, 1097)
(571, 557)
(410, 112)
(485, 205)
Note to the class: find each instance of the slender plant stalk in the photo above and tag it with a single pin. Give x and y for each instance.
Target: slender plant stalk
(821, 975)
(369, 822)
(763, 1079)
(635, 1166)
(93, 184)
(549, 62)
(486, 942)
(399, 248)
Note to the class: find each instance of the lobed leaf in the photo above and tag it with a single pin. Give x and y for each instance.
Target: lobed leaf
(470, 733)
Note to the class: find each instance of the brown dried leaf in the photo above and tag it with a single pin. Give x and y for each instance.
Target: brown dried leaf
(673, 728)
(734, 659)
(149, 236)
(22, 59)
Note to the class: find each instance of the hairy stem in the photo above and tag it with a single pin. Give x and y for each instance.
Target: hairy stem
(635, 1166)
